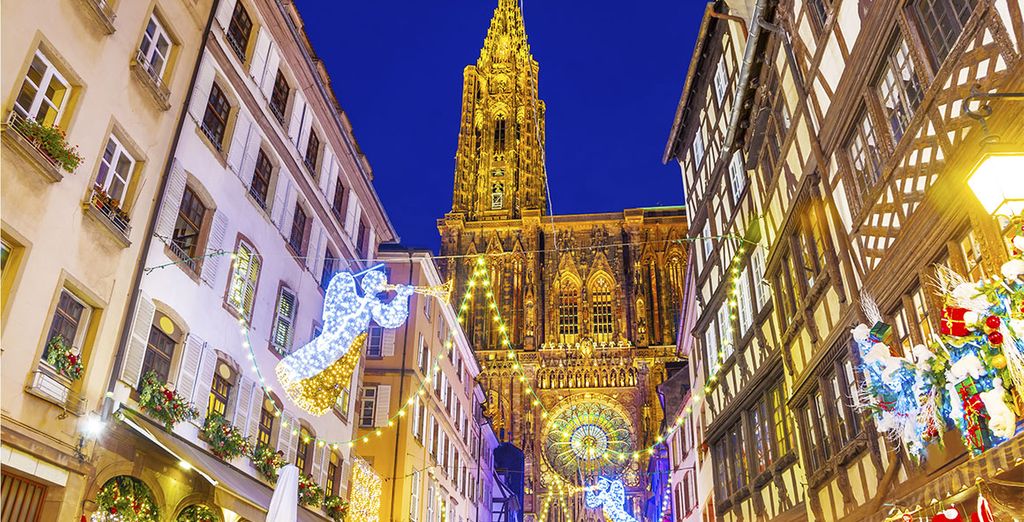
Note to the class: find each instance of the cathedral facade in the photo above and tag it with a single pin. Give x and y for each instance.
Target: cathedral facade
(589, 303)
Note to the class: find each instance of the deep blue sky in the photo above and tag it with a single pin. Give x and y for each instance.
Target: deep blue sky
(610, 72)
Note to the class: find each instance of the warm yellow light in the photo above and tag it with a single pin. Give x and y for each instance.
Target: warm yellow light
(998, 183)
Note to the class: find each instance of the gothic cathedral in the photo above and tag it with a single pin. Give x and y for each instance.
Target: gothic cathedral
(591, 302)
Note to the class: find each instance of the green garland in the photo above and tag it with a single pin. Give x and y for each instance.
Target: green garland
(335, 507)
(225, 440)
(60, 356)
(52, 141)
(164, 404)
(127, 499)
(198, 513)
(267, 462)
(310, 493)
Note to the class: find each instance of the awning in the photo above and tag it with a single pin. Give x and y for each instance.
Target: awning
(233, 489)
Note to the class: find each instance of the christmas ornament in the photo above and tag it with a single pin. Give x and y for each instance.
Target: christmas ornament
(949, 515)
(952, 322)
(610, 496)
(992, 321)
(995, 338)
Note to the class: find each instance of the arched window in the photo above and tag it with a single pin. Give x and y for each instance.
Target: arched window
(198, 513)
(568, 312)
(601, 309)
(500, 130)
(265, 429)
(127, 496)
(220, 389)
(497, 195)
(333, 474)
(303, 454)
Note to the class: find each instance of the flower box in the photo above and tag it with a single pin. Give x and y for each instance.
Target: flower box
(226, 441)
(163, 403)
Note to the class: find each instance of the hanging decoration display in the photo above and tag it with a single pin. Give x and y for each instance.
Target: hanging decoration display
(364, 497)
(610, 496)
(314, 375)
(969, 374)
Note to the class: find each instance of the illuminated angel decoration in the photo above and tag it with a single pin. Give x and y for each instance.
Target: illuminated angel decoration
(315, 374)
(610, 496)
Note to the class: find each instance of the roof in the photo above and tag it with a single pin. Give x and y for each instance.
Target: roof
(684, 98)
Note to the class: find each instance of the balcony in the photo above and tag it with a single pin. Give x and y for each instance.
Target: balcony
(40, 145)
(186, 260)
(108, 212)
(151, 80)
(49, 386)
(103, 12)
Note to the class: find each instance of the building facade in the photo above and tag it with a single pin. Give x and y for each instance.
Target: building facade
(832, 137)
(77, 203)
(421, 379)
(573, 317)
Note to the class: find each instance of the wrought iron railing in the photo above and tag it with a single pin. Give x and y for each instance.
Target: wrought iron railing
(110, 209)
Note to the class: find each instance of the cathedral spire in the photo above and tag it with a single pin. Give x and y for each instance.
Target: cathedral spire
(499, 164)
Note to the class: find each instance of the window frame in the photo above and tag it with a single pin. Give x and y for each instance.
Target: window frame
(238, 42)
(147, 55)
(247, 283)
(367, 400)
(284, 347)
(81, 324)
(216, 116)
(262, 174)
(50, 73)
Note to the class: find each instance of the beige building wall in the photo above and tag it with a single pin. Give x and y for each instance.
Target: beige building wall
(433, 441)
(57, 237)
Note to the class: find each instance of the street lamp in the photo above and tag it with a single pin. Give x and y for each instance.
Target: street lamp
(997, 180)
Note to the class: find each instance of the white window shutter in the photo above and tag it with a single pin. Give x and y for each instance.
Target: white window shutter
(298, 110)
(131, 371)
(201, 93)
(388, 342)
(239, 140)
(255, 410)
(286, 440)
(257, 66)
(352, 215)
(270, 76)
(252, 150)
(189, 369)
(211, 264)
(224, 13)
(371, 242)
(277, 212)
(176, 181)
(289, 210)
(307, 126)
(346, 473)
(311, 248)
(380, 414)
(326, 168)
(317, 465)
(321, 251)
(204, 379)
(243, 398)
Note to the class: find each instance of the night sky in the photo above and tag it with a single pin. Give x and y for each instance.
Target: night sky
(610, 73)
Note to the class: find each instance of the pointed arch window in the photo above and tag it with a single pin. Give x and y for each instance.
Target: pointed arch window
(568, 312)
(497, 195)
(601, 309)
(500, 129)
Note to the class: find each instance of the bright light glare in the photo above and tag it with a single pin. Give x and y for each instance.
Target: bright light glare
(998, 183)
(93, 426)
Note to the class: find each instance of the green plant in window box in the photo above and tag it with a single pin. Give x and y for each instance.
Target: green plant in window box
(310, 493)
(225, 440)
(267, 461)
(63, 359)
(108, 205)
(163, 403)
(52, 141)
(335, 507)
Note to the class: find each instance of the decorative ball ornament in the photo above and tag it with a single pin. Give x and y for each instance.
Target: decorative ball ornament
(998, 361)
(995, 338)
(993, 322)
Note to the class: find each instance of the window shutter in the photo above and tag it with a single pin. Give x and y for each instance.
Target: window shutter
(189, 365)
(346, 472)
(239, 140)
(201, 94)
(176, 180)
(131, 371)
(316, 468)
(312, 247)
(352, 216)
(252, 150)
(285, 438)
(284, 325)
(326, 168)
(388, 343)
(292, 199)
(242, 403)
(224, 13)
(371, 241)
(277, 212)
(383, 405)
(295, 123)
(307, 126)
(211, 264)
(256, 399)
(270, 76)
(204, 379)
(257, 67)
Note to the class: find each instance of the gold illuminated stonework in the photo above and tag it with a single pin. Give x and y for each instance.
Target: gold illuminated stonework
(591, 302)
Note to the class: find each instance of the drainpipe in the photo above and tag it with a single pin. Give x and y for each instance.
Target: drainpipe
(749, 56)
(401, 393)
(133, 301)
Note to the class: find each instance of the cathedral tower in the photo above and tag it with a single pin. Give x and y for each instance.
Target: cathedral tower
(499, 165)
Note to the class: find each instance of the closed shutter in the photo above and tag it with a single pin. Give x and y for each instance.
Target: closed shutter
(284, 324)
(270, 76)
(239, 140)
(291, 199)
(277, 212)
(189, 369)
(295, 122)
(383, 405)
(224, 13)
(252, 150)
(371, 245)
(211, 264)
(321, 252)
(257, 66)
(286, 440)
(176, 181)
(352, 216)
(312, 247)
(201, 93)
(388, 343)
(255, 411)
(307, 127)
(243, 398)
(315, 470)
(131, 371)
(326, 167)
(204, 379)
(346, 475)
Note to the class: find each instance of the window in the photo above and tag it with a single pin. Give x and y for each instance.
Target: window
(330, 267)
(746, 311)
(725, 333)
(738, 175)
(417, 419)
(941, 21)
(812, 246)
(902, 325)
(155, 48)
(923, 312)
(266, 425)
(865, 157)
(568, 312)
(780, 421)
(738, 450)
(68, 319)
(116, 166)
(284, 322)
(375, 341)
(698, 149)
(721, 81)
(367, 407)
(786, 292)
(711, 349)
(424, 355)
(497, 195)
(338, 203)
(244, 277)
(601, 310)
(297, 237)
(239, 30)
(899, 88)
(363, 239)
(818, 10)
(499, 135)
(312, 152)
(191, 213)
(757, 266)
(5, 254)
(159, 353)
(279, 96)
(815, 434)
(259, 188)
(843, 391)
(970, 249)
(22, 498)
(215, 119)
(333, 473)
(220, 390)
(302, 452)
(761, 434)
(44, 93)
